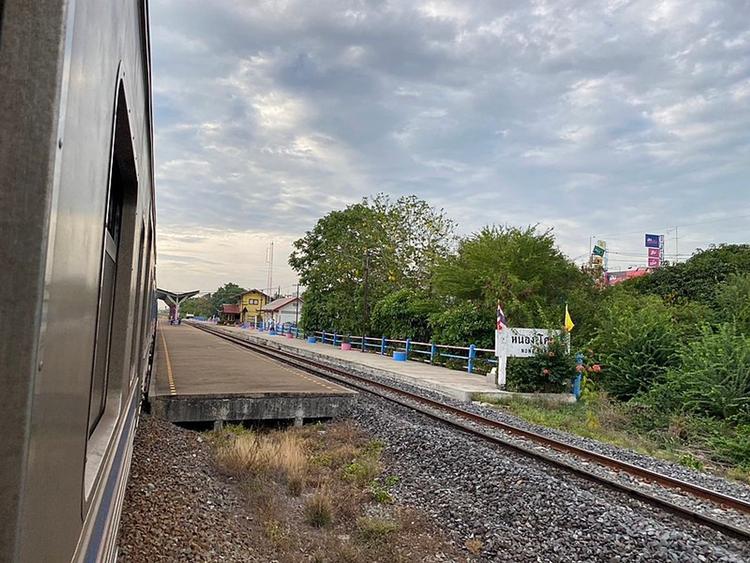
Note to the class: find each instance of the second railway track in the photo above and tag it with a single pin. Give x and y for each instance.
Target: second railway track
(487, 429)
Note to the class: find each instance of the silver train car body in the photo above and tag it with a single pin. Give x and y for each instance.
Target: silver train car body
(77, 254)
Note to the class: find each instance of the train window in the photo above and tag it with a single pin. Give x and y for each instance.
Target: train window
(118, 234)
(113, 228)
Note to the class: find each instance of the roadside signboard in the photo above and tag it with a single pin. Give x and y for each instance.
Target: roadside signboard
(653, 241)
(654, 262)
(654, 252)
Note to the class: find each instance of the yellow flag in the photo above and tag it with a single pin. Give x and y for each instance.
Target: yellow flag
(569, 324)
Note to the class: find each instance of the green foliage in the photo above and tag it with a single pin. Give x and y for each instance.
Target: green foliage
(713, 379)
(228, 293)
(637, 343)
(522, 268)
(698, 278)
(733, 301)
(464, 323)
(733, 445)
(550, 370)
(393, 244)
(200, 306)
(403, 314)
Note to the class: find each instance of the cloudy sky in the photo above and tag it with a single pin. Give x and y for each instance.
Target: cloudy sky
(604, 119)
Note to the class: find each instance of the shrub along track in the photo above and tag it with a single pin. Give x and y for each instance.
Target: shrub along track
(537, 446)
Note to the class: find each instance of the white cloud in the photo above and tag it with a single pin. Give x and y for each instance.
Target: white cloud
(632, 114)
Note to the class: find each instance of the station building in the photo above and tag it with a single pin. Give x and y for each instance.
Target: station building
(282, 311)
(250, 305)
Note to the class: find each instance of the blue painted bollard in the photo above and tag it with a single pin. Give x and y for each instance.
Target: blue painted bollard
(399, 356)
(311, 340)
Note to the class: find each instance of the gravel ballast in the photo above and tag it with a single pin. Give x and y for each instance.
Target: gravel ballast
(707, 480)
(178, 507)
(521, 510)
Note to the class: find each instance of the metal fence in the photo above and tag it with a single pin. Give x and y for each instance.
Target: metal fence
(469, 358)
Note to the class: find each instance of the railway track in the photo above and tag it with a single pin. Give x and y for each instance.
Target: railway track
(486, 429)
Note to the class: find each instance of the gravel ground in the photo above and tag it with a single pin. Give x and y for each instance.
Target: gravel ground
(522, 510)
(177, 506)
(707, 480)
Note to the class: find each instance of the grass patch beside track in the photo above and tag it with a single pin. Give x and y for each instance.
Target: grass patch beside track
(688, 441)
(320, 493)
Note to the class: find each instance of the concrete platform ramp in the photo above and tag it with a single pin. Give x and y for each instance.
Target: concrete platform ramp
(201, 378)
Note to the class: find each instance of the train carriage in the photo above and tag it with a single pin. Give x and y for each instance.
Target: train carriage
(77, 254)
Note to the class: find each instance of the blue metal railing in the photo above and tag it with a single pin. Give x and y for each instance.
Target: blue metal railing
(468, 357)
(426, 352)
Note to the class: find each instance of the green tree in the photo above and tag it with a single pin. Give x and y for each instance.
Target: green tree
(372, 242)
(200, 306)
(404, 314)
(228, 293)
(522, 268)
(698, 278)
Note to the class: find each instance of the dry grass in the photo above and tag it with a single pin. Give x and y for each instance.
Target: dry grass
(312, 493)
(275, 454)
(319, 509)
(474, 546)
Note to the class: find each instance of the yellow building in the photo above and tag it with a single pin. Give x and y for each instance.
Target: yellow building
(250, 304)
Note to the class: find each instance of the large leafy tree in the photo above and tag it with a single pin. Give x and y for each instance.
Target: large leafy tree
(200, 306)
(520, 267)
(369, 249)
(228, 293)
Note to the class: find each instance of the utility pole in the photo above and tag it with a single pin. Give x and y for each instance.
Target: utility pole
(364, 298)
(676, 244)
(269, 261)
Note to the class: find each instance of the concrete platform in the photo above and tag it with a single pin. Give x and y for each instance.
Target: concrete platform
(202, 378)
(451, 383)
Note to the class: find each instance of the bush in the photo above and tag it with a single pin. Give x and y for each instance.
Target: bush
(639, 342)
(714, 378)
(733, 300)
(549, 370)
(698, 278)
(403, 314)
(464, 324)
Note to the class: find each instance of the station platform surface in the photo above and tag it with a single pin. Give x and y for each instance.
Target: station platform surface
(199, 377)
(452, 383)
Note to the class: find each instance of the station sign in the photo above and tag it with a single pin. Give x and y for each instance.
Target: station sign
(523, 342)
(654, 262)
(653, 241)
(654, 252)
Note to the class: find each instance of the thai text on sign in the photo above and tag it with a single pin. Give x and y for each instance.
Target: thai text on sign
(523, 342)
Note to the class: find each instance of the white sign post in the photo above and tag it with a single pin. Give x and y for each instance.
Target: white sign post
(519, 343)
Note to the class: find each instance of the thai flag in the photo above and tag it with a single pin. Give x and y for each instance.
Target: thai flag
(501, 320)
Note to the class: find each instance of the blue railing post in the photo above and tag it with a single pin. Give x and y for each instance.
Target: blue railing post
(323, 340)
(363, 342)
(408, 345)
(433, 352)
(472, 355)
(382, 346)
(335, 337)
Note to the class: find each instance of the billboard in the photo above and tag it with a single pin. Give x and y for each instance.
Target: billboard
(653, 241)
(654, 252)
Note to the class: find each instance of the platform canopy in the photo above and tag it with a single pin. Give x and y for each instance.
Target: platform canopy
(173, 298)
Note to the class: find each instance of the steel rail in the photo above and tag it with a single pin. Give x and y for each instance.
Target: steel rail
(343, 376)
